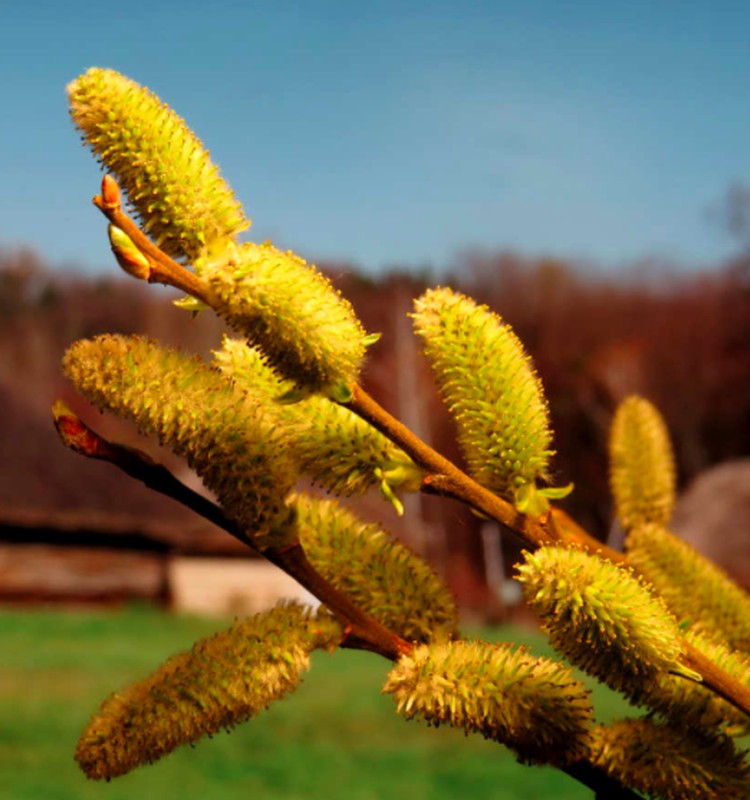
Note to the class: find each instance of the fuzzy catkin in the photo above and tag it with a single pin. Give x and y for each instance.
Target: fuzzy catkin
(695, 589)
(177, 192)
(533, 705)
(690, 704)
(602, 617)
(490, 387)
(671, 762)
(236, 446)
(642, 469)
(221, 682)
(337, 449)
(306, 330)
(381, 575)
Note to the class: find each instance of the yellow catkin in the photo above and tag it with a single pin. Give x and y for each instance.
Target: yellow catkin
(177, 192)
(533, 705)
(642, 469)
(337, 449)
(691, 704)
(236, 446)
(671, 762)
(602, 617)
(490, 387)
(222, 681)
(696, 590)
(381, 575)
(306, 330)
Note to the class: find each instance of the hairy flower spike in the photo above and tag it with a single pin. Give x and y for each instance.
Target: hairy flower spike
(235, 445)
(382, 576)
(533, 705)
(335, 447)
(169, 178)
(285, 307)
(497, 400)
(694, 588)
(642, 470)
(671, 762)
(223, 681)
(602, 617)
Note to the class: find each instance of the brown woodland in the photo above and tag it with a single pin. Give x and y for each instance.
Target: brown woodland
(682, 340)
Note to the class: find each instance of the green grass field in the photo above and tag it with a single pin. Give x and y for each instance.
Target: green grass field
(336, 738)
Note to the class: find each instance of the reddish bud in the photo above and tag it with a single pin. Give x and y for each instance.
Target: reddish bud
(110, 192)
(74, 433)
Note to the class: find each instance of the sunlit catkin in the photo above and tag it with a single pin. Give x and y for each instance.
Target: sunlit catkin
(671, 762)
(224, 680)
(381, 575)
(533, 705)
(642, 470)
(336, 448)
(235, 445)
(695, 589)
(602, 617)
(692, 704)
(493, 392)
(177, 192)
(306, 330)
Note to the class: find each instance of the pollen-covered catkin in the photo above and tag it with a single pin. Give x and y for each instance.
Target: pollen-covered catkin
(692, 704)
(235, 445)
(694, 588)
(337, 449)
(642, 470)
(533, 705)
(602, 617)
(177, 192)
(491, 388)
(671, 762)
(306, 330)
(376, 571)
(222, 681)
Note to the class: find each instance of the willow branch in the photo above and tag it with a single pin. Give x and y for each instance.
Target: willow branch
(443, 477)
(362, 631)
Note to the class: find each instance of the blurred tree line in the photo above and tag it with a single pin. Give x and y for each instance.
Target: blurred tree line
(681, 339)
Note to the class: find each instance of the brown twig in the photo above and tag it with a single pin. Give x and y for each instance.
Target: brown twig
(716, 679)
(445, 478)
(163, 269)
(362, 631)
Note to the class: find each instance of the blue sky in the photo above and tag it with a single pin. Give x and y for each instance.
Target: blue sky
(406, 132)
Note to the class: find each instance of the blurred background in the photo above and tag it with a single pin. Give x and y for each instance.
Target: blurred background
(582, 169)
